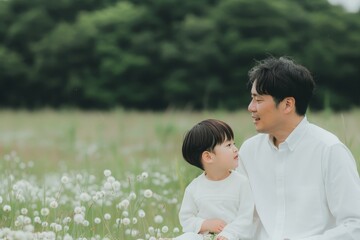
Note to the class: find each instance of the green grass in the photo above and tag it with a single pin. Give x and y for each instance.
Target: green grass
(38, 149)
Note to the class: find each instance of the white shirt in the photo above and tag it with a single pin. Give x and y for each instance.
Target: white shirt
(308, 188)
(229, 199)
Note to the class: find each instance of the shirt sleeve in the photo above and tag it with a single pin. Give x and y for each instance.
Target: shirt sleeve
(342, 185)
(188, 213)
(241, 227)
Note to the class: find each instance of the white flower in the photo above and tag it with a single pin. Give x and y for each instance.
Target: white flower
(37, 219)
(124, 204)
(86, 223)
(44, 211)
(141, 213)
(85, 197)
(78, 218)
(64, 179)
(107, 186)
(7, 208)
(107, 216)
(132, 196)
(54, 204)
(144, 175)
(58, 228)
(151, 230)
(148, 193)
(67, 237)
(125, 221)
(134, 220)
(165, 229)
(78, 210)
(24, 211)
(176, 230)
(107, 173)
(116, 185)
(97, 220)
(158, 219)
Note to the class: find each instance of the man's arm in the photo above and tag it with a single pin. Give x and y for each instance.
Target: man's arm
(342, 186)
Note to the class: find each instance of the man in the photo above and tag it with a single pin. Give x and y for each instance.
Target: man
(304, 180)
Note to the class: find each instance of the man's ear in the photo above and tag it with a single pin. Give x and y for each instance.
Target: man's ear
(206, 157)
(289, 104)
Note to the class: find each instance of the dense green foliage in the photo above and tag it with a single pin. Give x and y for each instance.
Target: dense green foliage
(158, 54)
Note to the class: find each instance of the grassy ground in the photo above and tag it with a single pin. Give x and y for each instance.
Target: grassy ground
(142, 152)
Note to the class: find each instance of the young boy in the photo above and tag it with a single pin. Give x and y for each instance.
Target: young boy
(219, 201)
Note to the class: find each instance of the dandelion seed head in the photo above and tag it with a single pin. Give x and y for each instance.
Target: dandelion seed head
(64, 179)
(107, 173)
(176, 230)
(78, 210)
(125, 213)
(85, 197)
(54, 204)
(116, 185)
(97, 220)
(107, 216)
(132, 196)
(24, 211)
(44, 211)
(7, 208)
(125, 221)
(85, 223)
(158, 219)
(124, 204)
(148, 193)
(165, 229)
(134, 220)
(107, 186)
(141, 213)
(151, 230)
(78, 218)
(144, 175)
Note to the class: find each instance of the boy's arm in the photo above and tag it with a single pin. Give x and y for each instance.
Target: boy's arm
(188, 214)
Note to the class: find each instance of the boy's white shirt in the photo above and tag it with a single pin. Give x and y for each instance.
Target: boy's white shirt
(230, 200)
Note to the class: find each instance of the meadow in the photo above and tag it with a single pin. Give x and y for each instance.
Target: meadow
(109, 175)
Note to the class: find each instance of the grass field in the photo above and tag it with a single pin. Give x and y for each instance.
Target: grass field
(109, 175)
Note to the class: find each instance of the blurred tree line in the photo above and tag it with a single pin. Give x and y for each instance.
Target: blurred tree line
(158, 54)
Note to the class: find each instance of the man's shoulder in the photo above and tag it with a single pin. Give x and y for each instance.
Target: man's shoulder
(322, 135)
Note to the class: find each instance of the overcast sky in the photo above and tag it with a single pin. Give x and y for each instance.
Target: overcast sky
(350, 5)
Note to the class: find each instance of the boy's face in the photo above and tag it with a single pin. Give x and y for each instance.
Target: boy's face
(226, 155)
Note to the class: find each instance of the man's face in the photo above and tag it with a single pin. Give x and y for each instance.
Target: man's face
(266, 115)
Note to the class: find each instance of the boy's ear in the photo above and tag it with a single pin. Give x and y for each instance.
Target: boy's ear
(206, 157)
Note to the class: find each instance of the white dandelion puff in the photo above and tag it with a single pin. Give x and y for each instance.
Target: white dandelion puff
(107, 216)
(107, 173)
(148, 193)
(64, 179)
(141, 213)
(165, 229)
(7, 208)
(54, 204)
(44, 211)
(126, 221)
(158, 219)
(78, 218)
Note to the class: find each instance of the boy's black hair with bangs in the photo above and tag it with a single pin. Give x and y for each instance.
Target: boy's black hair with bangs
(204, 136)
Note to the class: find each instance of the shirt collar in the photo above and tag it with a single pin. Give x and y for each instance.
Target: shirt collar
(295, 136)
